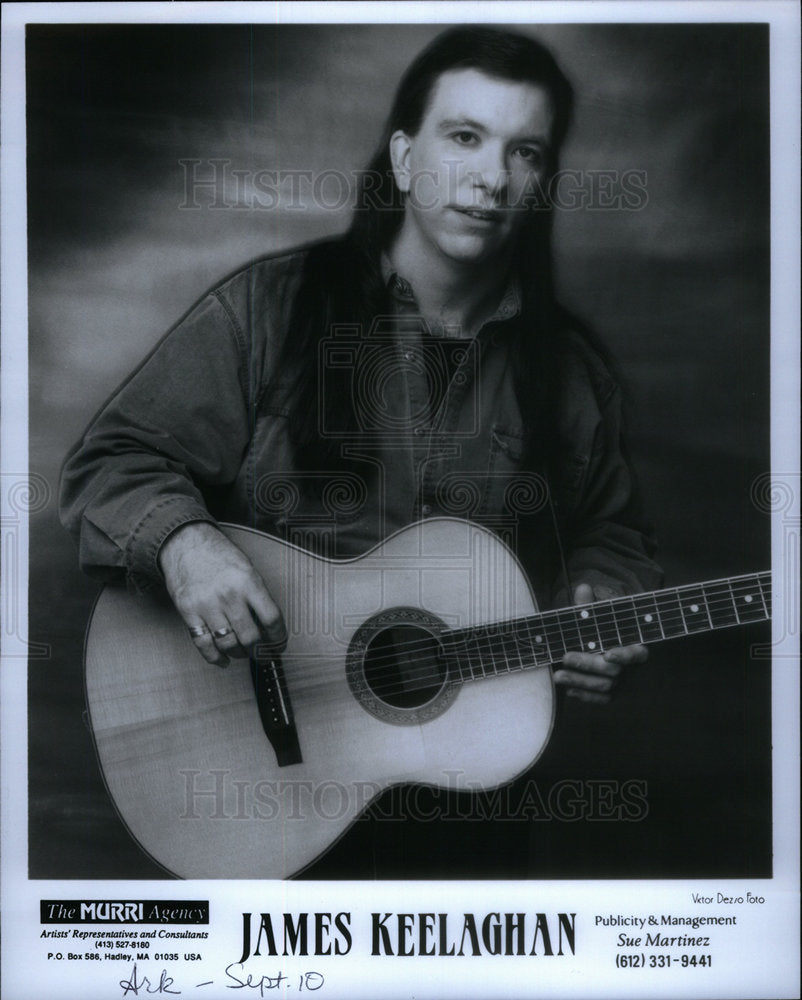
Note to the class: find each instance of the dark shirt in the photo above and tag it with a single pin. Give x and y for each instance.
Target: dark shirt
(201, 432)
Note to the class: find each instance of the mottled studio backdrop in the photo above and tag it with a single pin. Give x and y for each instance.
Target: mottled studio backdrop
(678, 289)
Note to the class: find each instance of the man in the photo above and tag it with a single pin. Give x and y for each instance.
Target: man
(460, 372)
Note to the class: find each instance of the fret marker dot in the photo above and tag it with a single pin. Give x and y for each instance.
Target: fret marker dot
(748, 598)
(694, 608)
(538, 638)
(583, 614)
(647, 618)
(591, 645)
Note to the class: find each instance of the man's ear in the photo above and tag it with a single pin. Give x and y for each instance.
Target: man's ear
(400, 147)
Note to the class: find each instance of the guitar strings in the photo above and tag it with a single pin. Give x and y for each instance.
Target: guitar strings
(490, 642)
(489, 636)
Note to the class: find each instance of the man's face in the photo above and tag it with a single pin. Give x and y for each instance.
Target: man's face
(482, 148)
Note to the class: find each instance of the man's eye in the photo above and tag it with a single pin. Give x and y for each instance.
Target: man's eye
(465, 138)
(533, 157)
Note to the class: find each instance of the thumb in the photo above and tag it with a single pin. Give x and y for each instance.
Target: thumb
(583, 594)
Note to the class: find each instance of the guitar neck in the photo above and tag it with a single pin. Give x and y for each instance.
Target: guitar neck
(544, 639)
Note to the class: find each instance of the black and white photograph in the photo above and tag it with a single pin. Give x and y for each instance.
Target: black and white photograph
(407, 482)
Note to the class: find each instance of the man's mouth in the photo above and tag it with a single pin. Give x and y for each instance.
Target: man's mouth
(481, 214)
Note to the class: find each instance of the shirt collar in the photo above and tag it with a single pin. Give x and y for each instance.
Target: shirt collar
(403, 293)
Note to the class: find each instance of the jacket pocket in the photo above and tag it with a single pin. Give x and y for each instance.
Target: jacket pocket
(511, 490)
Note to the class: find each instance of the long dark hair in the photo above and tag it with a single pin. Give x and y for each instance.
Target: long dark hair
(342, 284)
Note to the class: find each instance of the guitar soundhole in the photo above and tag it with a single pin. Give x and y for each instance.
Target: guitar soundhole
(404, 667)
(397, 669)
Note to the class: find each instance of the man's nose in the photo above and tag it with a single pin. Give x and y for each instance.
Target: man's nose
(489, 170)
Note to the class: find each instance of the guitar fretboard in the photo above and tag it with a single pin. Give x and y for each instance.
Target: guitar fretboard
(543, 639)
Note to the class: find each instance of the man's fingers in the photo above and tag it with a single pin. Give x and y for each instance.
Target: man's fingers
(271, 627)
(583, 594)
(627, 655)
(587, 682)
(593, 676)
(247, 628)
(233, 629)
(227, 639)
(245, 618)
(592, 663)
(275, 634)
(205, 644)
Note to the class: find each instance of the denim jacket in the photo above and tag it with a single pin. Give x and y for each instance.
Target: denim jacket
(200, 432)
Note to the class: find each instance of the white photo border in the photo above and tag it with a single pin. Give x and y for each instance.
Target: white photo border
(765, 961)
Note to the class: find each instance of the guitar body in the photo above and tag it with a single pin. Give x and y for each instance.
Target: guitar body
(184, 750)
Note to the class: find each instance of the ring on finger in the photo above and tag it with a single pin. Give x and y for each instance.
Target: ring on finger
(221, 633)
(196, 631)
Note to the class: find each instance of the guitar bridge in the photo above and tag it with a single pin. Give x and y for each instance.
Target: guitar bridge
(275, 708)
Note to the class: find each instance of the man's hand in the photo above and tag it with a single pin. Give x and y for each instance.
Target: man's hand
(218, 593)
(594, 676)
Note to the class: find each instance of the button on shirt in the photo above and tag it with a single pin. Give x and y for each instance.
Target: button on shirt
(437, 370)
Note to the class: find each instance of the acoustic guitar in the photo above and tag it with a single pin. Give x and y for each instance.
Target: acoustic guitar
(424, 660)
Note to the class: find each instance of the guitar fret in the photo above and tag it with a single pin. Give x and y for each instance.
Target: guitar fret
(531, 653)
(694, 610)
(509, 652)
(607, 624)
(490, 656)
(554, 637)
(671, 618)
(456, 651)
(766, 610)
(749, 603)
(501, 663)
(514, 652)
(523, 652)
(486, 659)
(571, 639)
(627, 621)
(539, 644)
(588, 630)
(649, 624)
(472, 653)
(473, 658)
(734, 601)
(765, 593)
(721, 606)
